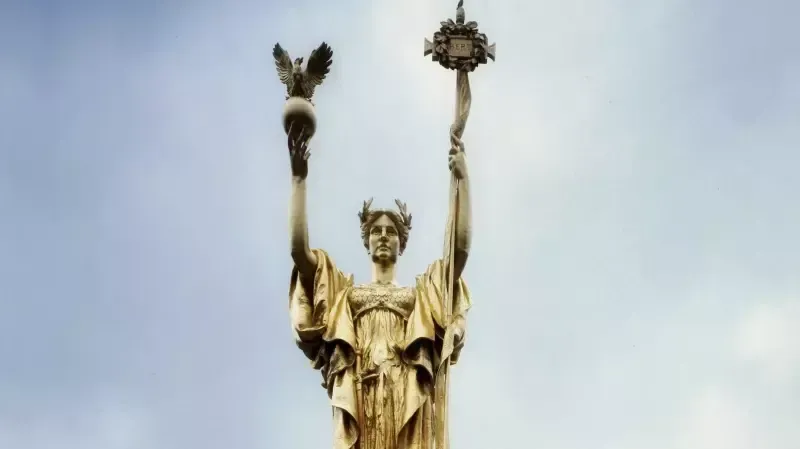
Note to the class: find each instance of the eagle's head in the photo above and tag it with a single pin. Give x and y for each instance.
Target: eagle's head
(298, 62)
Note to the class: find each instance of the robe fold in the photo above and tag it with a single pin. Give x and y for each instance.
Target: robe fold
(398, 406)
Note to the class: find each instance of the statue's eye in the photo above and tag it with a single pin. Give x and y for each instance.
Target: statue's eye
(391, 231)
(375, 231)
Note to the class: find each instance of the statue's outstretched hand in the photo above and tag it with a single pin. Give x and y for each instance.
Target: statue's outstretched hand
(298, 152)
(457, 160)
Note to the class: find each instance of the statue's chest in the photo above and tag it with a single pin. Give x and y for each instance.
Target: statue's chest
(364, 298)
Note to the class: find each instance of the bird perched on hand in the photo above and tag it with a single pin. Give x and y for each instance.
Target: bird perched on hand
(299, 82)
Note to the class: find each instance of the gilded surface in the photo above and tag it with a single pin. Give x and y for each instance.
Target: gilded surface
(396, 332)
(384, 350)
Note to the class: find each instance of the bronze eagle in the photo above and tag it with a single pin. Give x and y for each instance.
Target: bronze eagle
(299, 82)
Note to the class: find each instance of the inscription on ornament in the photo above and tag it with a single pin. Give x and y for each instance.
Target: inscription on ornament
(460, 48)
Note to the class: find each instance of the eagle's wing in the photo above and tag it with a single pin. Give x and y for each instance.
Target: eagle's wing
(318, 66)
(284, 65)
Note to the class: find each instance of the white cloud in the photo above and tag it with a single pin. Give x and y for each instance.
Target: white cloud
(769, 338)
(716, 420)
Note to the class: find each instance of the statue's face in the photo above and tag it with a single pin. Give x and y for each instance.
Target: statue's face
(384, 242)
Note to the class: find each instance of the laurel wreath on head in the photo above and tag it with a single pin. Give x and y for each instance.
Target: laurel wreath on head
(405, 217)
(364, 214)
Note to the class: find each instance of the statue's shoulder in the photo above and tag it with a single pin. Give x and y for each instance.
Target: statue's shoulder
(432, 269)
(323, 258)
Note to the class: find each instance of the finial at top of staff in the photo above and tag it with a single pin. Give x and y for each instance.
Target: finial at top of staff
(458, 45)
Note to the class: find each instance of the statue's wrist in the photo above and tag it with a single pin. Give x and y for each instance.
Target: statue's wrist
(298, 179)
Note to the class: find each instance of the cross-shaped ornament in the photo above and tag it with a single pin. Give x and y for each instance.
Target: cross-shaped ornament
(458, 45)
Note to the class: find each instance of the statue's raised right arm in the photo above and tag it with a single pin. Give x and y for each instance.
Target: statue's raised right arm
(304, 259)
(318, 308)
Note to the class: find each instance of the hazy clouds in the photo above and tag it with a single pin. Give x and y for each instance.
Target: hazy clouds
(635, 255)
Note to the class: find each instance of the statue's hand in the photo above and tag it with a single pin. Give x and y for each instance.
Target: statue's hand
(298, 152)
(457, 160)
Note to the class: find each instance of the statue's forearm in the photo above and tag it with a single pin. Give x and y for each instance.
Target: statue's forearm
(301, 253)
(463, 231)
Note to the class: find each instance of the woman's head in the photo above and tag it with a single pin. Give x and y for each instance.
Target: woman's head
(385, 232)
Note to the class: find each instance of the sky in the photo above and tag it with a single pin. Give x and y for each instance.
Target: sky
(635, 259)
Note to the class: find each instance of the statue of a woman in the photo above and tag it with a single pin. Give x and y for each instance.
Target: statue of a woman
(377, 345)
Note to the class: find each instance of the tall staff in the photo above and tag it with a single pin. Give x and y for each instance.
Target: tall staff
(456, 46)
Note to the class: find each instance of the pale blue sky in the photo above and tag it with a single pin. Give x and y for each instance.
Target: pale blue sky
(635, 262)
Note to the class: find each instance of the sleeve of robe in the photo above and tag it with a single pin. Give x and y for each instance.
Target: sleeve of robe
(426, 327)
(323, 330)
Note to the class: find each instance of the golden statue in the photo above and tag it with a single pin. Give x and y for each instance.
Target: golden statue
(383, 349)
